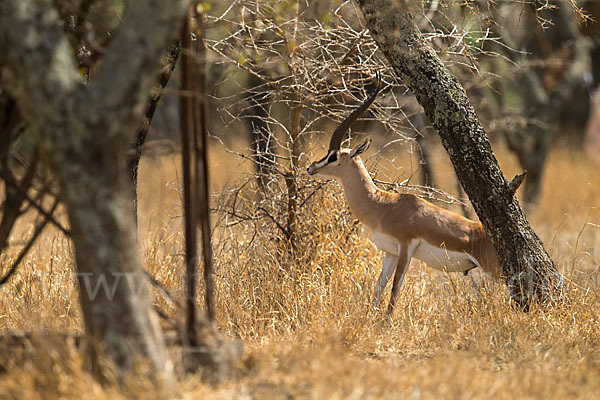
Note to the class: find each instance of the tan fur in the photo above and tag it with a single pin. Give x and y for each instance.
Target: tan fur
(406, 217)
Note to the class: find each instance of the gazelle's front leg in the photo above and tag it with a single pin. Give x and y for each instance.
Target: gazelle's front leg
(404, 256)
(390, 262)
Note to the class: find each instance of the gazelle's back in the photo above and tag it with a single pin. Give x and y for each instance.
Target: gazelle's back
(409, 214)
(441, 238)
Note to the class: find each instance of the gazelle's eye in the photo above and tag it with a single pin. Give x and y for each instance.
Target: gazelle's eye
(332, 158)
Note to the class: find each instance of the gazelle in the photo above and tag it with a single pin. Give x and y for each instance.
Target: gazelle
(404, 226)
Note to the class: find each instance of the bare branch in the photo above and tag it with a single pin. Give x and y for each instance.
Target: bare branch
(36, 233)
(33, 203)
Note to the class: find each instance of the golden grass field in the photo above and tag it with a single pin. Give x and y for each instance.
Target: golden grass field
(304, 319)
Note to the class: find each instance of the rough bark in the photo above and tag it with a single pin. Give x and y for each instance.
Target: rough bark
(527, 267)
(82, 132)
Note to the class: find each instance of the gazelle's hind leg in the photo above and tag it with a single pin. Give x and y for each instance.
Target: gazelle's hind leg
(390, 262)
(404, 257)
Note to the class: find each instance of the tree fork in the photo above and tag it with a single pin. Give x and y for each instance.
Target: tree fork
(528, 269)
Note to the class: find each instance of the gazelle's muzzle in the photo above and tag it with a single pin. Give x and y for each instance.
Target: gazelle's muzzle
(315, 166)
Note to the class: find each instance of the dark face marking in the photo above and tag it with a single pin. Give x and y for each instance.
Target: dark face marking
(328, 159)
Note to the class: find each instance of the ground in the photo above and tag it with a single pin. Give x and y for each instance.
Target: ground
(304, 319)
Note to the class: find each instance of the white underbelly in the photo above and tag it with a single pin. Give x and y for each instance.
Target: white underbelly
(435, 257)
(386, 243)
(443, 259)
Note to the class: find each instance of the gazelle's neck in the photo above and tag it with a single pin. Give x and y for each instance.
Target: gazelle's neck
(361, 193)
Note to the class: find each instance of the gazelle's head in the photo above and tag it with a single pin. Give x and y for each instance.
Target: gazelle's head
(337, 159)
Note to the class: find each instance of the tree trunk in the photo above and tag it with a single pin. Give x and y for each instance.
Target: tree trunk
(83, 134)
(527, 267)
(135, 155)
(119, 319)
(261, 138)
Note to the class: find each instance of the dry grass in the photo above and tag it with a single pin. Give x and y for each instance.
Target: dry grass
(304, 317)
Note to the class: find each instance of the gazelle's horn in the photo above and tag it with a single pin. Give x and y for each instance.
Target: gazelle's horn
(339, 134)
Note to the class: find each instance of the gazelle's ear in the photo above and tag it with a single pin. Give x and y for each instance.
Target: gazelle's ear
(361, 148)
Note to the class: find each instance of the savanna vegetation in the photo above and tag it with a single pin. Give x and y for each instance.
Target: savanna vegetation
(294, 271)
(304, 322)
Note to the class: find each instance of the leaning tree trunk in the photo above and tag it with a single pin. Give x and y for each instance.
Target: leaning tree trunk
(527, 267)
(135, 154)
(82, 132)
